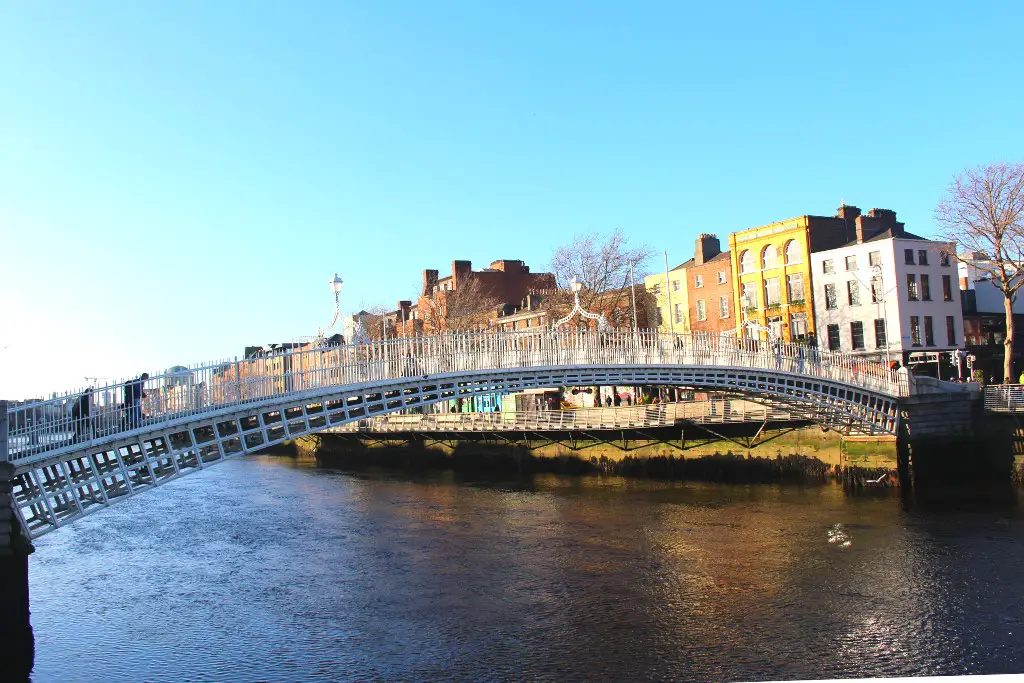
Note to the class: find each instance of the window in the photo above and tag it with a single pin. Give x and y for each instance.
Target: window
(771, 292)
(723, 307)
(827, 266)
(926, 288)
(929, 336)
(675, 285)
(679, 313)
(748, 296)
(851, 263)
(795, 285)
(833, 337)
(911, 287)
(922, 257)
(746, 262)
(857, 335)
(875, 258)
(830, 297)
(798, 326)
(950, 331)
(853, 292)
(775, 325)
(702, 313)
(947, 288)
(769, 257)
(944, 259)
(915, 330)
(721, 277)
(792, 252)
(698, 280)
(880, 341)
(876, 290)
(908, 256)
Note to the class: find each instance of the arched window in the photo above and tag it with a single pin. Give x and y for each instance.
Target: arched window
(792, 252)
(746, 262)
(769, 257)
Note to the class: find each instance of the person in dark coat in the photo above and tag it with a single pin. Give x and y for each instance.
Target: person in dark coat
(81, 416)
(134, 392)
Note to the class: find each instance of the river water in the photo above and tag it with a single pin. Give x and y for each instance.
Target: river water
(264, 569)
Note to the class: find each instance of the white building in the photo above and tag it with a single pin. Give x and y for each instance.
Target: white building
(887, 296)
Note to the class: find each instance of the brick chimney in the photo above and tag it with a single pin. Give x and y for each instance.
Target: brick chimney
(876, 222)
(429, 281)
(460, 269)
(708, 247)
(848, 213)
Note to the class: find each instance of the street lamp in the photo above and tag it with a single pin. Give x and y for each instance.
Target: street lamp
(576, 286)
(877, 276)
(321, 335)
(748, 324)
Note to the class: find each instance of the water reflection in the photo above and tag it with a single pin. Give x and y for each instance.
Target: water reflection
(261, 569)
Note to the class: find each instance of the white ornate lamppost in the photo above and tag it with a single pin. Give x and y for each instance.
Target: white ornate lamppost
(321, 335)
(749, 324)
(576, 286)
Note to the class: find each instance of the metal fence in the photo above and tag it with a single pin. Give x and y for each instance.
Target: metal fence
(1005, 398)
(137, 404)
(619, 417)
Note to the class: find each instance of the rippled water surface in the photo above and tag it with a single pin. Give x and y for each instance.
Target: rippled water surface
(263, 569)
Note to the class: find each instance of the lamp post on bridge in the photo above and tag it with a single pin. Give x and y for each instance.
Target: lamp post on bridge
(321, 335)
(576, 286)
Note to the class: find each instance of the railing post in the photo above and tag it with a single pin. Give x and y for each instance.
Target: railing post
(4, 451)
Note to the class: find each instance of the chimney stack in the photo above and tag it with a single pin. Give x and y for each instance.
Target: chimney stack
(708, 247)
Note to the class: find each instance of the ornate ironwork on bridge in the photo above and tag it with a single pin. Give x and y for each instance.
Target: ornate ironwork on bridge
(85, 450)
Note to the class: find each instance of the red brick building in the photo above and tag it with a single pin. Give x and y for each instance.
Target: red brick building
(468, 299)
(710, 288)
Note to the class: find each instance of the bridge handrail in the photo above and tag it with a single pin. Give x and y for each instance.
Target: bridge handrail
(40, 426)
(600, 417)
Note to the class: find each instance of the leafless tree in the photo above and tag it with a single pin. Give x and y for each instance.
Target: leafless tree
(375, 323)
(601, 263)
(467, 307)
(983, 212)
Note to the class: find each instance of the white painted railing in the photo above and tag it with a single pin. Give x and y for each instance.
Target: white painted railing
(618, 417)
(38, 427)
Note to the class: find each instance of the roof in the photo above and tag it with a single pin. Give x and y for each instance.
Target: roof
(887, 235)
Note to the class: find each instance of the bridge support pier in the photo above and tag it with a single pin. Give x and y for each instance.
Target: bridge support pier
(943, 439)
(17, 644)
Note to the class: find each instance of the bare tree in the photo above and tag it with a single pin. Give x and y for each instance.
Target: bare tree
(983, 212)
(467, 307)
(375, 322)
(601, 263)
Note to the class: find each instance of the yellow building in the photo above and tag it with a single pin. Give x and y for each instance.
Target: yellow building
(670, 297)
(772, 272)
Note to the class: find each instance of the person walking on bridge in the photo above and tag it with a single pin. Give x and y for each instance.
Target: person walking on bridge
(133, 394)
(81, 416)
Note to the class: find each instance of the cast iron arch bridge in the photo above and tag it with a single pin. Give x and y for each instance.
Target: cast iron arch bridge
(69, 462)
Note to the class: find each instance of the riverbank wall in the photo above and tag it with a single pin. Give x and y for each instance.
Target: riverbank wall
(736, 453)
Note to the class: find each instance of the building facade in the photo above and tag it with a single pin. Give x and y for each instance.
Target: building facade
(889, 295)
(709, 292)
(773, 274)
(669, 298)
(467, 299)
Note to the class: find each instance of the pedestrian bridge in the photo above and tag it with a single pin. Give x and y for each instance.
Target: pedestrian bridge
(69, 462)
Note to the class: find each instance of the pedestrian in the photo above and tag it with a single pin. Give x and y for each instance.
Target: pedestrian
(134, 392)
(608, 401)
(81, 416)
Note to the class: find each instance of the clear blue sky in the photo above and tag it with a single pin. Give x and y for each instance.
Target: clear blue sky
(178, 180)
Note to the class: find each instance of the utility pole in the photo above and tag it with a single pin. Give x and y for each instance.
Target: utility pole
(668, 291)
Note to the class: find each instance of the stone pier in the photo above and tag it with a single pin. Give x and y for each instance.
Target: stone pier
(17, 645)
(946, 438)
